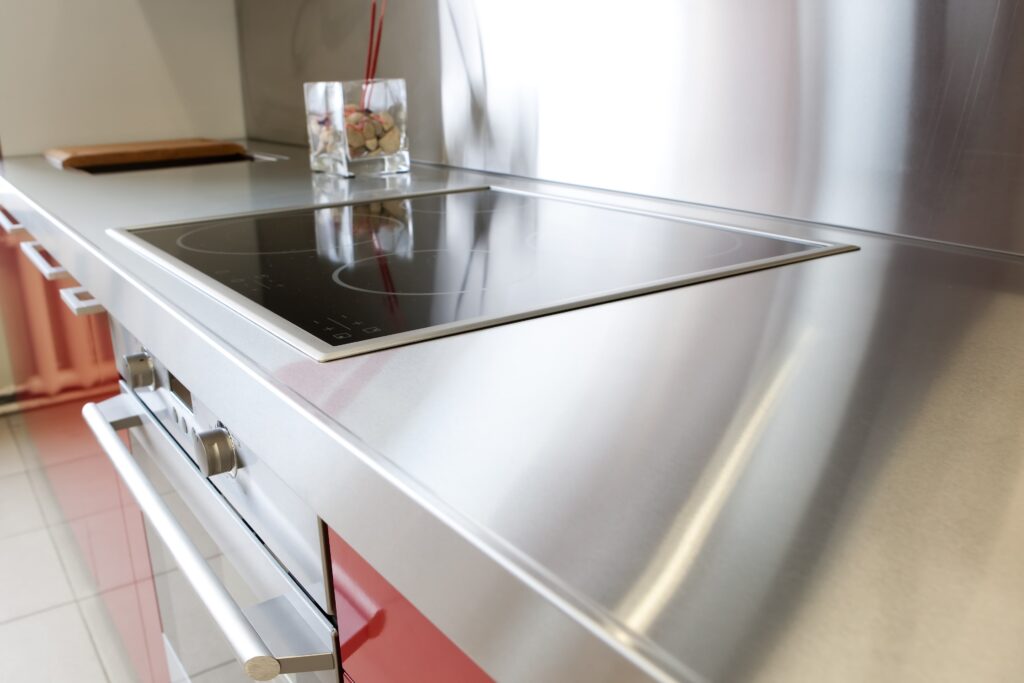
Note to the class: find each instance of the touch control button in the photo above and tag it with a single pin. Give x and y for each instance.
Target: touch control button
(215, 451)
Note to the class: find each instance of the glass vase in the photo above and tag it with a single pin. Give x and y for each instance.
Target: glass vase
(357, 127)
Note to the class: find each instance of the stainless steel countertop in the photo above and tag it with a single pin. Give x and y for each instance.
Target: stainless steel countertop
(805, 473)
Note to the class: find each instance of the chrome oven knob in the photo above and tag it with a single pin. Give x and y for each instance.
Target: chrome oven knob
(139, 370)
(215, 451)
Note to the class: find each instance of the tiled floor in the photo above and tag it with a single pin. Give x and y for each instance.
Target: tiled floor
(55, 619)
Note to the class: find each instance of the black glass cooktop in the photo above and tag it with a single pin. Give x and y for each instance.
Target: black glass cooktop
(344, 280)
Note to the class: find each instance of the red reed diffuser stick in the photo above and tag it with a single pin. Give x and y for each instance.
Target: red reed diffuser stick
(373, 48)
(369, 46)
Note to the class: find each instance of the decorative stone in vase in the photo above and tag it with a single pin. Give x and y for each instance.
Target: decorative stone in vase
(357, 127)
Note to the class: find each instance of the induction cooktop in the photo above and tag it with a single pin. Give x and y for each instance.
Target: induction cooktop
(344, 280)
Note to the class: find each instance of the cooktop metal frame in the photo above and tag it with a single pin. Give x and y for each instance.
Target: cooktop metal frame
(321, 351)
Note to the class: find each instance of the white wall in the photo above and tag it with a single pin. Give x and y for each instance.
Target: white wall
(95, 71)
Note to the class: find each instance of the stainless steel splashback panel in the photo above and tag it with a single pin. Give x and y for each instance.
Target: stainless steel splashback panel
(892, 116)
(284, 44)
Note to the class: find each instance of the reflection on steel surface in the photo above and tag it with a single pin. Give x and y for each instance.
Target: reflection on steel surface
(340, 228)
(669, 566)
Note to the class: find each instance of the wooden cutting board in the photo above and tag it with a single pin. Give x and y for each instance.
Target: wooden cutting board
(132, 153)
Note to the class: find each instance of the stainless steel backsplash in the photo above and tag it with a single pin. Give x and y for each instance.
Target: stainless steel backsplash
(904, 116)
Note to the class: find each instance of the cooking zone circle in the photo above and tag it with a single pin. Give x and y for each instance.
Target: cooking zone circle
(252, 237)
(282, 235)
(466, 271)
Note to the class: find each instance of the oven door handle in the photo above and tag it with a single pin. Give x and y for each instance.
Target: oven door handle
(123, 412)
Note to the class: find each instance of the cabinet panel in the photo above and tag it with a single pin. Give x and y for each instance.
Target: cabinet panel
(383, 637)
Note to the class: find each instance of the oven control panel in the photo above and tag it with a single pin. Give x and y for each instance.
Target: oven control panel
(277, 514)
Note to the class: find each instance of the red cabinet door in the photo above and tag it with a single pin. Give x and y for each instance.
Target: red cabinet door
(383, 637)
(52, 351)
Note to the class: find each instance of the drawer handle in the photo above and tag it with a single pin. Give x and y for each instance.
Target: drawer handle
(8, 222)
(123, 412)
(34, 252)
(80, 301)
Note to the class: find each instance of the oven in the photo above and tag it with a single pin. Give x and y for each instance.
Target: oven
(227, 606)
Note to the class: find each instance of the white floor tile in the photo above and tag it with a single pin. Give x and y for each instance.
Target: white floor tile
(49, 647)
(45, 497)
(76, 489)
(10, 454)
(83, 583)
(19, 511)
(22, 441)
(53, 435)
(31, 576)
(113, 654)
